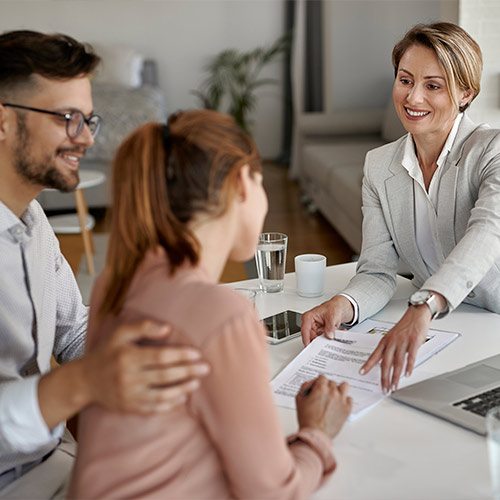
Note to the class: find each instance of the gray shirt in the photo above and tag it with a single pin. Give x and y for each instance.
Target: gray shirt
(41, 314)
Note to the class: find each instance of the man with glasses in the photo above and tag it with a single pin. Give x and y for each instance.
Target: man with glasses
(75, 120)
(46, 125)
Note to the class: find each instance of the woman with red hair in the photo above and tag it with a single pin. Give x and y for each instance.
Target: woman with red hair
(188, 197)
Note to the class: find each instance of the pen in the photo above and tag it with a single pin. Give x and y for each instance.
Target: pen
(307, 390)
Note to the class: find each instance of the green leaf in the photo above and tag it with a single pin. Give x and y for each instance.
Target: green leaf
(234, 75)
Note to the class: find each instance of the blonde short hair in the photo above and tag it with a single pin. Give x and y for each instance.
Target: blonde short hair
(458, 54)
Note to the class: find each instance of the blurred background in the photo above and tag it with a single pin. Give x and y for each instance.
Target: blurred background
(330, 87)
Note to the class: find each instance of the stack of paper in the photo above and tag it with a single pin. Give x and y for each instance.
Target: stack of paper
(340, 360)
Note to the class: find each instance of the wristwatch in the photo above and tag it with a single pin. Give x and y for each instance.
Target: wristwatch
(426, 297)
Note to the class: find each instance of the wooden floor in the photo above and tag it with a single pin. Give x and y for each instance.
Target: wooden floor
(307, 233)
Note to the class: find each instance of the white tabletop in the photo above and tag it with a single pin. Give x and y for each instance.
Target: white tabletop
(394, 451)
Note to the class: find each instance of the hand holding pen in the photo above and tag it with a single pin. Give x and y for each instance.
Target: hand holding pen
(324, 405)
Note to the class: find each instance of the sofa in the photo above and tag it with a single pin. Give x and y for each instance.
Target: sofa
(126, 95)
(328, 160)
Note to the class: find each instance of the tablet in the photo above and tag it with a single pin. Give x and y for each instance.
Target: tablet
(283, 326)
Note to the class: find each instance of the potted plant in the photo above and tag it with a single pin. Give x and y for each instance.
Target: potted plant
(233, 78)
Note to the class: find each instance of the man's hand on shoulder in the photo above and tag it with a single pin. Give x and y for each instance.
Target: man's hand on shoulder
(131, 371)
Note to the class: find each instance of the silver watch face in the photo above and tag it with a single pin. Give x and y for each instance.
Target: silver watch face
(420, 297)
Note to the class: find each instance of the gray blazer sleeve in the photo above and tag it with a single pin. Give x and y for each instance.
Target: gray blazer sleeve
(375, 281)
(473, 264)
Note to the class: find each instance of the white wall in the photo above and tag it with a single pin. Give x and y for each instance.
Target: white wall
(359, 37)
(449, 11)
(182, 35)
(481, 19)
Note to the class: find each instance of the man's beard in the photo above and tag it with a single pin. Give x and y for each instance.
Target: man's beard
(41, 172)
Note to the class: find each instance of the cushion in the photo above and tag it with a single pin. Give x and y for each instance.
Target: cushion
(320, 158)
(316, 162)
(120, 66)
(122, 110)
(344, 186)
(341, 122)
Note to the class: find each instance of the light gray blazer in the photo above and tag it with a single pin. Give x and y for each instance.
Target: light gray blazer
(468, 215)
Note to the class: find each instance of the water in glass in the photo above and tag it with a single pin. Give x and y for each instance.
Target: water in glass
(270, 259)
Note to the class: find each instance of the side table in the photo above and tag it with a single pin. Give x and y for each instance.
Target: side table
(81, 222)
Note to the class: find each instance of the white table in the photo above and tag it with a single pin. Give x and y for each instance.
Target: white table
(394, 451)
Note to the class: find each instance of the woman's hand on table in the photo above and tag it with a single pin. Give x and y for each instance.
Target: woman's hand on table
(400, 345)
(326, 318)
(323, 405)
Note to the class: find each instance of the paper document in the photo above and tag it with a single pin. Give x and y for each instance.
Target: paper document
(340, 360)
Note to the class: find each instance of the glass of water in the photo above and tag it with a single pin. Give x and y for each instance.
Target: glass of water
(248, 293)
(271, 259)
(493, 428)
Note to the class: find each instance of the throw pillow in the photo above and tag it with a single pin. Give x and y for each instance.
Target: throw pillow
(120, 66)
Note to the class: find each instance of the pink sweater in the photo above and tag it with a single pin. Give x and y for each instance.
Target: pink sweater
(226, 441)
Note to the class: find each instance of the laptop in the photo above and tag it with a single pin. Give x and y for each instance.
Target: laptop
(462, 396)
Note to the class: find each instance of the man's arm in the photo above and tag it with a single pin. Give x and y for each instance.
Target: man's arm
(122, 375)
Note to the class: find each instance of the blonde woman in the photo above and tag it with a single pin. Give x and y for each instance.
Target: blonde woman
(431, 198)
(188, 197)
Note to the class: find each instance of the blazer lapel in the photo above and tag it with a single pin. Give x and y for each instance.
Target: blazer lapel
(448, 187)
(465, 129)
(400, 197)
(446, 208)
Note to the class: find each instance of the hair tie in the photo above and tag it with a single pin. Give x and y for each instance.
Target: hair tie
(165, 136)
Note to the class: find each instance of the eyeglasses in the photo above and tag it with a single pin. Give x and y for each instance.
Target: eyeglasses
(75, 120)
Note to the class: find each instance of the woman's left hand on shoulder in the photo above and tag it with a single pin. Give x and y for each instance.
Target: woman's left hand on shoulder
(400, 345)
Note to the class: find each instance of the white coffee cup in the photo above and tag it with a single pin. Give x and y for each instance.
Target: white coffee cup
(310, 274)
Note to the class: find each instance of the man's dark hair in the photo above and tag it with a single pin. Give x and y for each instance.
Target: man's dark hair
(24, 53)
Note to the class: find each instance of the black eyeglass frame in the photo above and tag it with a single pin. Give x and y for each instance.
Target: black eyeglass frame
(90, 122)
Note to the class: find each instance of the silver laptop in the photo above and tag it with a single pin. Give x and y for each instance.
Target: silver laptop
(462, 396)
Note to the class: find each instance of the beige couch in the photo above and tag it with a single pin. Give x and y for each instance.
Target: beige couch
(330, 154)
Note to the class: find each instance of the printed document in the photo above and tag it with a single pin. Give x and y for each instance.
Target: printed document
(340, 360)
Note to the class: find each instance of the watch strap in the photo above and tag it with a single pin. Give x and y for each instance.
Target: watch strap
(431, 303)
